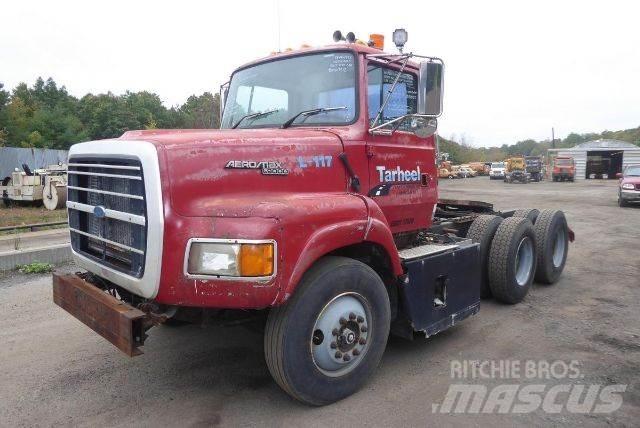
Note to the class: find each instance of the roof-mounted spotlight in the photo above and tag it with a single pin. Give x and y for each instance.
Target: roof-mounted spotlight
(400, 37)
(351, 37)
(337, 36)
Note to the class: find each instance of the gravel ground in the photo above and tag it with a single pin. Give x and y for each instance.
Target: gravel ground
(55, 371)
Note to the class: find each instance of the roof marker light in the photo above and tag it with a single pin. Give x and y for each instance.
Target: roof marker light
(376, 41)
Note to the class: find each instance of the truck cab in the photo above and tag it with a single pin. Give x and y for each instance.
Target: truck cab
(564, 168)
(516, 170)
(314, 208)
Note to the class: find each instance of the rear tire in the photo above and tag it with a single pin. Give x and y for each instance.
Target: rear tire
(304, 336)
(512, 260)
(531, 214)
(482, 231)
(552, 237)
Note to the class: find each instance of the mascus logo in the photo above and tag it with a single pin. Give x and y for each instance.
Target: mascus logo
(266, 167)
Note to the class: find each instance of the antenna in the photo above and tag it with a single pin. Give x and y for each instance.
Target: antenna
(278, 20)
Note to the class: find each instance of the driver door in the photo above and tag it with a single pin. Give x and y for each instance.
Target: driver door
(402, 170)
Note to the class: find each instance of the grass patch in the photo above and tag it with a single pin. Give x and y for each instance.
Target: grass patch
(35, 267)
(18, 216)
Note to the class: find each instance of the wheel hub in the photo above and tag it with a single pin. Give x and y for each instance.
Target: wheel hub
(524, 261)
(340, 333)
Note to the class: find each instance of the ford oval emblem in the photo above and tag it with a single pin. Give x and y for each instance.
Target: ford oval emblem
(100, 211)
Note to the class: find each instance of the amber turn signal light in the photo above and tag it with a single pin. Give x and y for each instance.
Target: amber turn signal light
(256, 259)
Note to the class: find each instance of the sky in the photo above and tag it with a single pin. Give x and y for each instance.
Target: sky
(514, 69)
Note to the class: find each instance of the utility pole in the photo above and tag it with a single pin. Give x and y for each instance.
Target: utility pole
(553, 138)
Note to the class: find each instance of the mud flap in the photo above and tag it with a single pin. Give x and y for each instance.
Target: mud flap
(442, 289)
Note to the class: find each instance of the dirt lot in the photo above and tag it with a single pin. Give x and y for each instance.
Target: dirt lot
(55, 371)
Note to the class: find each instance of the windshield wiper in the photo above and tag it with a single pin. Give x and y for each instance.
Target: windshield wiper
(253, 116)
(312, 112)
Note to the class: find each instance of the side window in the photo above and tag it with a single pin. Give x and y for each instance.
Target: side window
(403, 100)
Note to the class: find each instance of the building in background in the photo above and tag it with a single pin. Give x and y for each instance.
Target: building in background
(600, 158)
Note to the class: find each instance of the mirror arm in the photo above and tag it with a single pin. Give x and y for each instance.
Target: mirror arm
(223, 99)
(397, 121)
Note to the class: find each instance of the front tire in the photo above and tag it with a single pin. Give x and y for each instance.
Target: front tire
(324, 343)
(512, 260)
(621, 202)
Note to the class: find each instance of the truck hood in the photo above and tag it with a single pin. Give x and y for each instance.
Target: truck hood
(239, 172)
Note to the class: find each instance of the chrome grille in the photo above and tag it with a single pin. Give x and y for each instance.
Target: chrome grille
(107, 212)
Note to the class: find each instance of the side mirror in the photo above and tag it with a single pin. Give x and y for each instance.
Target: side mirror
(430, 88)
(619, 175)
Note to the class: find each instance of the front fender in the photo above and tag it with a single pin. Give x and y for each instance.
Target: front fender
(339, 231)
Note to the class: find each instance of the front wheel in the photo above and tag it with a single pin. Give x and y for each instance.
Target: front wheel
(324, 343)
(621, 202)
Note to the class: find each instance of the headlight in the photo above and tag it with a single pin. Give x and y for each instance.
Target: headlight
(230, 259)
(628, 186)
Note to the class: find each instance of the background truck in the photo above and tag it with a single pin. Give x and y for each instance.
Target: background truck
(516, 170)
(313, 212)
(534, 168)
(564, 168)
(41, 186)
(496, 171)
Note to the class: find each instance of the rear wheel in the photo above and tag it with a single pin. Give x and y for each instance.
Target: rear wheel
(530, 213)
(512, 260)
(552, 237)
(482, 231)
(324, 343)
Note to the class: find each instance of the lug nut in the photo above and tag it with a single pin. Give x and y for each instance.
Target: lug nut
(335, 332)
(360, 319)
(362, 341)
(338, 354)
(356, 352)
(343, 321)
(334, 345)
(352, 316)
(363, 329)
(346, 357)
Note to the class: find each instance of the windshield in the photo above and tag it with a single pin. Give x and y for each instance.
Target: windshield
(293, 85)
(497, 165)
(564, 162)
(632, 171)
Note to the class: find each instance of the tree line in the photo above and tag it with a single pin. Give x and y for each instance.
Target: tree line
(460, 151)
(45, 115)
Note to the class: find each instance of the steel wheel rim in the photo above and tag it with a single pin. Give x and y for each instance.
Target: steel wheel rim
(340, 336)
(524, 261)
(558, 248)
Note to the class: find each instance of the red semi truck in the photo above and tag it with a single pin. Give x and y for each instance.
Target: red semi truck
(313, 211)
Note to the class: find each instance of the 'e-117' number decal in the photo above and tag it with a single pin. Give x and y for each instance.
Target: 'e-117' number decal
(315, 161)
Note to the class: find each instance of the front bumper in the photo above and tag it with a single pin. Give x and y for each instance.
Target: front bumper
(121, 324)
(630, 195)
